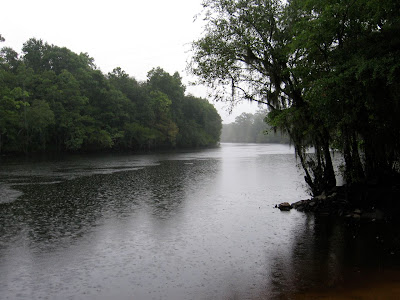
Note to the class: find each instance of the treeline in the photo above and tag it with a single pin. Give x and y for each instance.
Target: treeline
(252, 128)
(52, 99)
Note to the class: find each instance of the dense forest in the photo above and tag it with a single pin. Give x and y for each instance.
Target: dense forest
(251, 128)
(52, 99)
(328, 72)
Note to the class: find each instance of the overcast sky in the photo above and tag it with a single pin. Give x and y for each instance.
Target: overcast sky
(134, 35)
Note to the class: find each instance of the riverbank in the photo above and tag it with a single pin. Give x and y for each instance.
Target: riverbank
(367, 202)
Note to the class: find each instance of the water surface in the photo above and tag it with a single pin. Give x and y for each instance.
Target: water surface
(183, 225)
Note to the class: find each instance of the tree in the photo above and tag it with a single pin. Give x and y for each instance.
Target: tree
(326, 70)
(10, 59)
(353, 64)
(12, 108)
(200, 124)
(52, 99)
(39, 117)
(245, 54)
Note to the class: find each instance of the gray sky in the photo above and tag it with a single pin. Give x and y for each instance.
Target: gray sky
(134, 35)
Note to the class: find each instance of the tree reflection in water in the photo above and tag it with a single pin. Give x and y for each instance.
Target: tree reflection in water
(337, 258)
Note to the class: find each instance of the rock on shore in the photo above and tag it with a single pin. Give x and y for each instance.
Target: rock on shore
(285, 206)
(336, 203)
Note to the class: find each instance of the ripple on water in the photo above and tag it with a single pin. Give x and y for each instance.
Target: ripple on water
(198, 225)
(8, 194)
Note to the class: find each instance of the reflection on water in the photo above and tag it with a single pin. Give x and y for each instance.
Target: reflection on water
(333, 258)
(185, 225)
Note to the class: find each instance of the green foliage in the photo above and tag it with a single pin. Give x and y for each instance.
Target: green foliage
(328, 71)
(200, 124)
(52, 99)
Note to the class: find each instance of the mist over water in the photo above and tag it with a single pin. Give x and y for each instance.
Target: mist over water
(184, 225)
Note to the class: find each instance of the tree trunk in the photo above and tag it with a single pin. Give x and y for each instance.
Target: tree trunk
(329, 172)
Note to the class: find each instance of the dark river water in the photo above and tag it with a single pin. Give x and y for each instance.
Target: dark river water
(183, 225)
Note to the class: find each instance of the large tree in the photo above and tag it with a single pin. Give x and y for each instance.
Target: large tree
(246, 53)
(327, 70)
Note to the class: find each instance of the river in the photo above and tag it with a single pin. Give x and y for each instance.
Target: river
(174, 225)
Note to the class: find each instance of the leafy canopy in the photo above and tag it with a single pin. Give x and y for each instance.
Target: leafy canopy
(327, 71)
